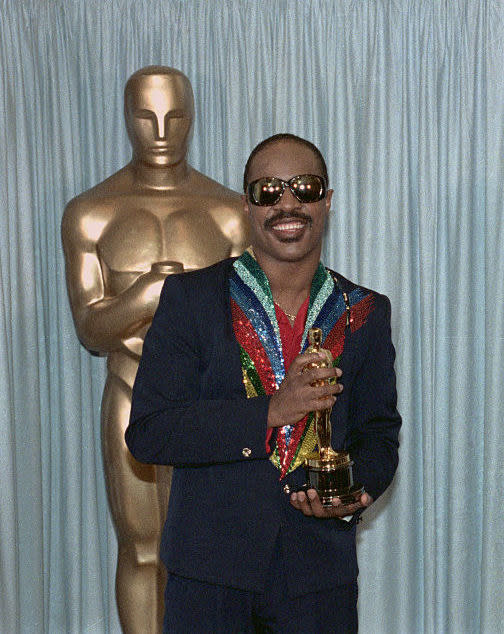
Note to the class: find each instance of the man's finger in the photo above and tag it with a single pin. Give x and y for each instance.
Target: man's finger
(321, 374)
(309, 504)
(315, 503)
(300, 501)
(327, 372)
(312, 379)
(336, 510)
(303, 359)
(327, 388)
(349, 509)
(366, 499)
(321, 391)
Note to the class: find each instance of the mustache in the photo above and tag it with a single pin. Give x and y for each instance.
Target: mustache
(284, 215)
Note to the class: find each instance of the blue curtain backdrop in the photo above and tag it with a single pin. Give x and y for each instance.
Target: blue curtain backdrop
(406, 101)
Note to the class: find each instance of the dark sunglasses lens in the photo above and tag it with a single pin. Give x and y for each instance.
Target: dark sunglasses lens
(265, 191)
(308, 188)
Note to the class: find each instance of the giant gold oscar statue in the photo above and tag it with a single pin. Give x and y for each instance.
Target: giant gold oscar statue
(155, 216)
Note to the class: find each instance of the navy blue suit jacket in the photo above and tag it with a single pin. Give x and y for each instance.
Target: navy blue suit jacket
(227, 506)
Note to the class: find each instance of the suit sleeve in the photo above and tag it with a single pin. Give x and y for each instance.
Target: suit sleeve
(374, 419)
(170, 422)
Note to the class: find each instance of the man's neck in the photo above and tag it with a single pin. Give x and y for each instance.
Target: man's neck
(163, 177)
(290, 282)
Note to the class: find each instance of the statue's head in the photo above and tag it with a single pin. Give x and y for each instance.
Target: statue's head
(159, 112)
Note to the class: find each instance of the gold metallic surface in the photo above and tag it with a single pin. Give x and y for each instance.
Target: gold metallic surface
(322, 417)
(327, 463)
(328, 471)
(155, 216)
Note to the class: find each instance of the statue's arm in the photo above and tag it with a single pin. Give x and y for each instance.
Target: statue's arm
(102, 321)
(234, 225)
(240, 238)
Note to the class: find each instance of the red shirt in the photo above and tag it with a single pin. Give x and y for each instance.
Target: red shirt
(291, 337)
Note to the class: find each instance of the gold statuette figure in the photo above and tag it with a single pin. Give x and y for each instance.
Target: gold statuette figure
(328, 471)
(155, 216)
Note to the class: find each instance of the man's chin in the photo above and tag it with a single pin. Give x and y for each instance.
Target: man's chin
(292, 251)
(287, 240)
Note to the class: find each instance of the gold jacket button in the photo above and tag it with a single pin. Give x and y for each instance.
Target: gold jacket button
(246, 452)
(286, 489)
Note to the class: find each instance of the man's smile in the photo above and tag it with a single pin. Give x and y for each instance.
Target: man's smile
(288, 226)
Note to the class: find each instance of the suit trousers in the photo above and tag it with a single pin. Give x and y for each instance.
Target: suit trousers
(193, 606)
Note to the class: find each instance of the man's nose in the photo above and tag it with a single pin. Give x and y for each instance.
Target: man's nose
(288, 200)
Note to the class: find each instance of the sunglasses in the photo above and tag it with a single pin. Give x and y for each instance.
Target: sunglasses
(267, 191)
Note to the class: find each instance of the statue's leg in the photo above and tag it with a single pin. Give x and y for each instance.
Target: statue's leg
(138, 496)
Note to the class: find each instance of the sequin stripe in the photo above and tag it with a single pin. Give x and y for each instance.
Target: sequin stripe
(283, 443)
(275, 458)
(250, 304)
(263, 294)
(249, 386)
(249, 320)
(256, 314)
(284, 438)
(291, 449)
(251, 338)
(316, 304)
(318, 281)
(248, 261)
(357, 295)
(307, 444)
(335, 340)
(248, 339)
(251, 374)
(330, 312)
(360, 312)
(281, 450)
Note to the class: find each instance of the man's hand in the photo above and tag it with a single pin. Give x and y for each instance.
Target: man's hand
(297, 395)
(309, 504)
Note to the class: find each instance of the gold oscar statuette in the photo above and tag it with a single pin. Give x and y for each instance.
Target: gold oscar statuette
(156, 216)
(328, 471)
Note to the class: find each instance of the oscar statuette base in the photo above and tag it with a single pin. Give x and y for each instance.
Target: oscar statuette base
(330, 473)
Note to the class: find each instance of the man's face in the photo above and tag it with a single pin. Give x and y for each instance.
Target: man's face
(159, 115)
(289, 230)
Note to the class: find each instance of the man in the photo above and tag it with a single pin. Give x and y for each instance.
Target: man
(156, 215)
(221, 394)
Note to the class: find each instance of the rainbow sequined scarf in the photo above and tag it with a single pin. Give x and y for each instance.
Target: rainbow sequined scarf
(256, 330)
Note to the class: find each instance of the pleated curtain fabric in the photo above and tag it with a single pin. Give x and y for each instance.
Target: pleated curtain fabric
(406, 101)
